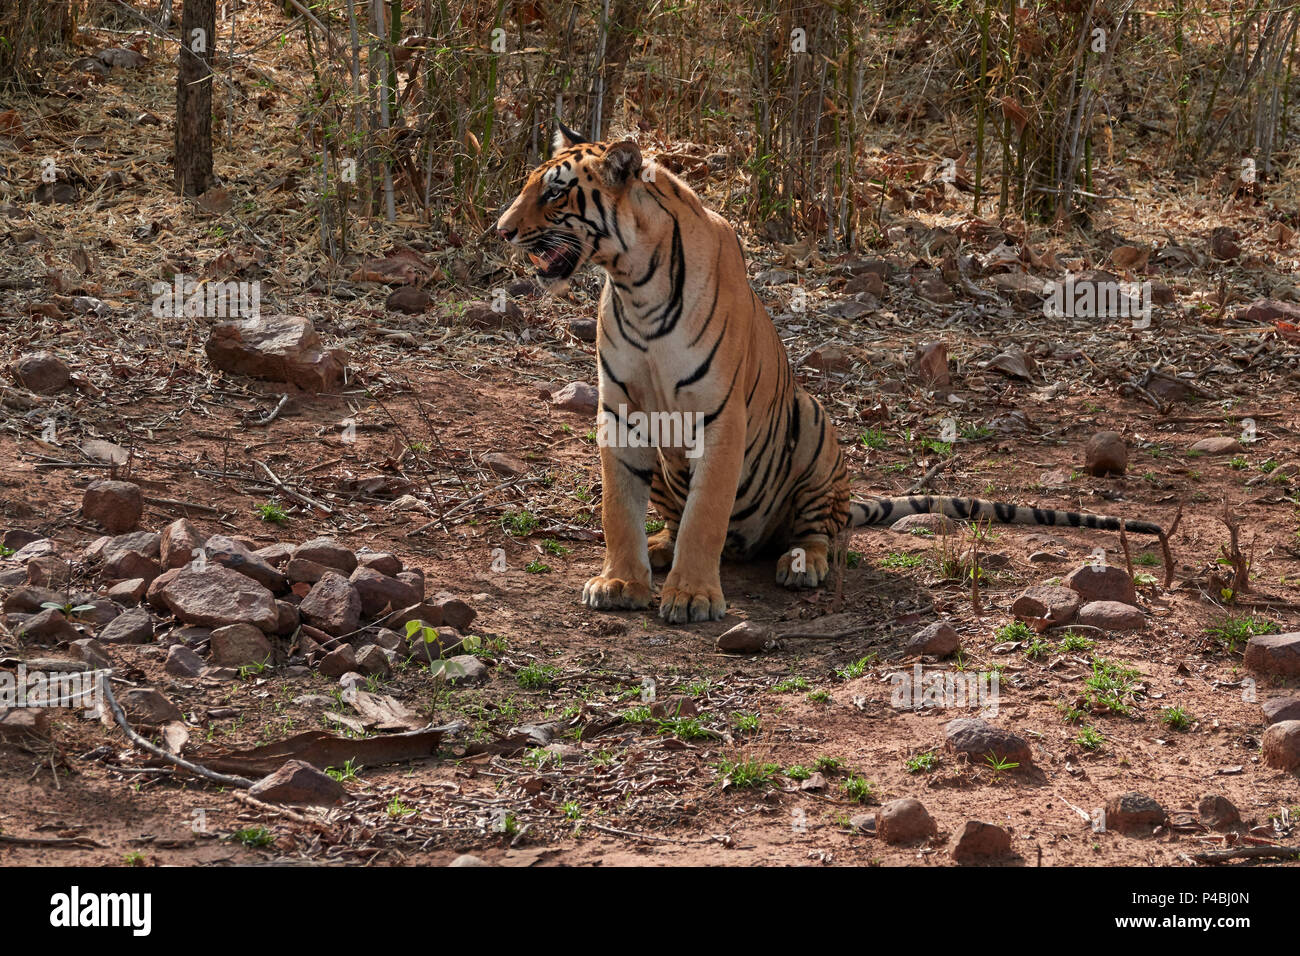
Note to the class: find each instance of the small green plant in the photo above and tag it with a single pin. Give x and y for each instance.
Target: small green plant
(1071, 715)
(654, 526)
(896, 560)
(636, 715)
(6, 552)
(1238, 463)
(746, 723)
(397, 809)
(858, 789)
(1000, 764)
(856, 669)
(828, 764)
(572, 810)
(519, 524)
(819, 697)
(1090, 739)
(345, 773)
(852, 559)
(873, 438)
(253, 837)
(134, 858)
(1175, 718)
(551, 546)
(791, 685)
(68, 609)
(1147, 559)
(1111, 685)
(1074, 642)
(1037, 648)
(270, 511)
(535, 676)
(1238, 630)
(1016, 631)
(744, 774)
(537, 566)
(922, 763)
(798, 772)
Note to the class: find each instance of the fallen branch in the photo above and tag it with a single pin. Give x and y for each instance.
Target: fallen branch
(1248, 853)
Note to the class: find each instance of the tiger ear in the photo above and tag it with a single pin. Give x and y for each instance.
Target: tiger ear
(621, 162)
(564, 137)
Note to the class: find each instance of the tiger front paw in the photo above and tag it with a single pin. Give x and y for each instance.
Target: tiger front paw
(803, 567)
(683, 602)
(609, 593)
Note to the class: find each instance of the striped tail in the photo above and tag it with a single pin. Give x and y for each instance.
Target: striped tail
(879, 511)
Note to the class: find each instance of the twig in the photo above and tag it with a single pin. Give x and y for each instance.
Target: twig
(225, 779)
(275, 412)
(1249, 853)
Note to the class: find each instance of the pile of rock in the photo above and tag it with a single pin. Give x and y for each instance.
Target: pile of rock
(233, 603)
(1097, 595)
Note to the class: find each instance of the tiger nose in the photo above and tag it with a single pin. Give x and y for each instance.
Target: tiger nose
(506, 234)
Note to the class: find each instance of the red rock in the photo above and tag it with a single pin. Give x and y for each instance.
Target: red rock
(301, 783)
(42, 372)
(115, 505)
(1282, 745)
(179, 541)
(1106, 454)
(217, 596)
(1274, 654)
(1057, 604)
(1134, 813)
(904, 821)
(277, 348)
(932, 364)
(237, 644)
(978, 841)
(333, 605)
(327, 552)
(1101, 582)
(379, 592)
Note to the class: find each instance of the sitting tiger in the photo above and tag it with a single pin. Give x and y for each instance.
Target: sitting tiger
(681, 331)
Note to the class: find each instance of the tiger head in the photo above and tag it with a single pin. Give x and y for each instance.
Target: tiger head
(567, 214)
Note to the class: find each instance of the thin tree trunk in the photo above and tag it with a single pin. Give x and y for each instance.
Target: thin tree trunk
(193, 142)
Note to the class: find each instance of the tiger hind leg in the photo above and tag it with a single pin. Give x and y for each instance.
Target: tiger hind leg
(806, 564)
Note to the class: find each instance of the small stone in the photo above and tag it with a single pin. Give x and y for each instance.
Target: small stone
(576, 397)
(1101, 582)
(904, 821)
(466, 669)
(328, 552)
(1221, 445)
(1277, 654)
(276, 555)
(333, 605)
(48, 571)
(829, 358)
(932, 523)
(302, 571)
(678, 706)
(1106, 454)
(453, 611)
(179, 541)
(48, 627)
(409, 299)
(978, 739)
(288, 618)
(380, 593)
(217, 596)
(746, 637)
(276, 348)
(1111, 616)
(938, 639)
(978, 841)
(339, 661)
(301, 783)
(380, 561)
(133, 626)
(1134, 813)
(24, 726)
(583, 329)
(372, 661)
(1282, 745)
(183, 662)
(1277, 709)
(42, 372)
(237, 644)
(1218, 812)
(467, 859)
(505, 466)
(115, 505)
(482, 314)
(147, 706)
(91, 652)
(131, 565)
(232, 554)
(1057, 604)
(29, 599)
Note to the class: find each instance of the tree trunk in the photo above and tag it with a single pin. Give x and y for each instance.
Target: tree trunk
(193, 160)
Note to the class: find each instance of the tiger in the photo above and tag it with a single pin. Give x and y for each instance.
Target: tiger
(681, 332)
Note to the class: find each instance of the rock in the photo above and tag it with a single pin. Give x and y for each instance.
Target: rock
(47, 627)
(15, 539)
(932, 523)
(467, 859)
(1282, 745)
(388, 639)
(978, 841)
(1015, 363)
(380, 593)
(453, 611)
(120, 57)
(328, 552)
(869, 283)
(48, 571)
(276, 555)
(115, 505)
(91, 652)
(28, 600)
(829, 358)
(41, 372)
(1218, 812)
(12, 577)
(179, 541)
(130, 591)
(1269, 310)
(148, 707)
(373, 661)
(231, 554)
(409, 299)
(183, 662)
(276, 348)
(1057, 604)
(904, 821)
(191, 636)
(466, 669)
(1101, 582)
(237, 644)
(583, 329)
(446, 641)
(288, 618)
(339, 661)
(146, 543)
(302, 571)
(1111, 616)
(333, 605)
(380, 561)
(746, 637)
(99, 612)
(506, 466)
(677, 706)
(153, 595)
(576, 397)
(978, 738)
(1277, 654)
(1106, 454)
(133, 626)
(932, 364)
(128, 565)
(938, 639)
(1221, 445)
(353, 680)
(1134, 813)
(301, 783)
(217, 596)
(482, 315)
(1277, 709)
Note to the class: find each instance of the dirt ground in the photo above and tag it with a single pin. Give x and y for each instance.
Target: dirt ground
(432, 394)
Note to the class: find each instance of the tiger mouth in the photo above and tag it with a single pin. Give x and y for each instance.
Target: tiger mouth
(557, 261)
